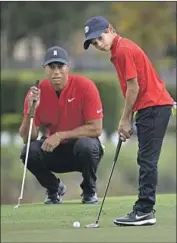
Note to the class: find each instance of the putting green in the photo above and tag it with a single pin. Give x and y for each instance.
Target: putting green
(53, 223)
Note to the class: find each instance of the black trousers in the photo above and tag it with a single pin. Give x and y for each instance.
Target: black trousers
(151, 126)
(82, 155)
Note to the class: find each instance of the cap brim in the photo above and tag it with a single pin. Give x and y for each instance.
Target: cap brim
(92, 36)
(56, 60)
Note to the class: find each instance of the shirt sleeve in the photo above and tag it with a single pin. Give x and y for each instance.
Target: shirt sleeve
(92, 105)
(127, 64)
(25, 110)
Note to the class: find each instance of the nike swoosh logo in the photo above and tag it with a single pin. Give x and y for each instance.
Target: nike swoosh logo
(69, 100)
(141, 217)
(99, 111)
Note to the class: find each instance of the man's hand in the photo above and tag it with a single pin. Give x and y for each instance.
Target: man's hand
(124, 129)
(51, 143)
(34, 96)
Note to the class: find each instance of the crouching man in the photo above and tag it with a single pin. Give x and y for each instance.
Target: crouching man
(70, 108)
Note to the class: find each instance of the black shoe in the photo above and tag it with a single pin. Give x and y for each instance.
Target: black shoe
(56, 198)
(88, 198)
(53, 198)
(136, 218)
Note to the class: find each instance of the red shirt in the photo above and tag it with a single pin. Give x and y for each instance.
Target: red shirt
(78, 102)
(131, 62)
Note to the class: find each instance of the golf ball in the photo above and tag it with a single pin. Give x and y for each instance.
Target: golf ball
(76, 224)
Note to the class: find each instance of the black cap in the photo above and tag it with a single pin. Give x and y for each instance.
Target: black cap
(56, 54)
(94, 27)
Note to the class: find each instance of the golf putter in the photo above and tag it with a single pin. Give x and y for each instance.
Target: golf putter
(27, 149)
(96, 224)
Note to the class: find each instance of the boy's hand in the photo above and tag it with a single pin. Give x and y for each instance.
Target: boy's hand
(125, 129)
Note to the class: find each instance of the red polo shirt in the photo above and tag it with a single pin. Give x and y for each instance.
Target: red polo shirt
(78, 102)
(131, 62)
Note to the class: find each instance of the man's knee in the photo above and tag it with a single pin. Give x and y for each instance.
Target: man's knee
(84, 145)
(89, 147)
(34, 151)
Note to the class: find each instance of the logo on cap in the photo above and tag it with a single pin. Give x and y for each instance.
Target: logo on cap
(86, 29)
(55, 53)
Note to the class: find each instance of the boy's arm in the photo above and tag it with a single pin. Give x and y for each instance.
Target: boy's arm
(130, 98)
(129, 72)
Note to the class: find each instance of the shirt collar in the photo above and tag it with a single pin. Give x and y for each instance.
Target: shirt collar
(115, 44)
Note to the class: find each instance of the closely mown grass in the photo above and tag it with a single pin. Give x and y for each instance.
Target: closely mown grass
(53, 223)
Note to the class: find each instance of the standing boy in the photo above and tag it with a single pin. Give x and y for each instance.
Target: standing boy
(145, 93)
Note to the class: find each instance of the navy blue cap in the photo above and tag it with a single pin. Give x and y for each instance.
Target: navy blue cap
(94, 27)
(56, 54)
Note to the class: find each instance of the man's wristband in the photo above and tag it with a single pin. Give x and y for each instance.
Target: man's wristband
(58, 136)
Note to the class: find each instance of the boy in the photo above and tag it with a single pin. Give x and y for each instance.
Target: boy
(144, 93)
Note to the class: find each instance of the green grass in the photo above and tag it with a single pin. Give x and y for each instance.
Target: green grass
(53, 223)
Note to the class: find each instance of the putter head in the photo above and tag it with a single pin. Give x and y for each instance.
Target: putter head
(93, 225)
(16, 206)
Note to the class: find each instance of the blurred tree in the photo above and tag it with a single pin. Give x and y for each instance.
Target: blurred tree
(45, 19)
(51, 21)
(149, 24)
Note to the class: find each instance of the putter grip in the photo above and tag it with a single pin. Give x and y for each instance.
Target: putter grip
(118, 149)
(34, 102)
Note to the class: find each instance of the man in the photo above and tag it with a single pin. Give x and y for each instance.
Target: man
(69, 106)
(144, 93)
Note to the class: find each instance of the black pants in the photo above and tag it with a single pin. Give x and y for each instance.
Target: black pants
(151, 127)
(82, 155)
